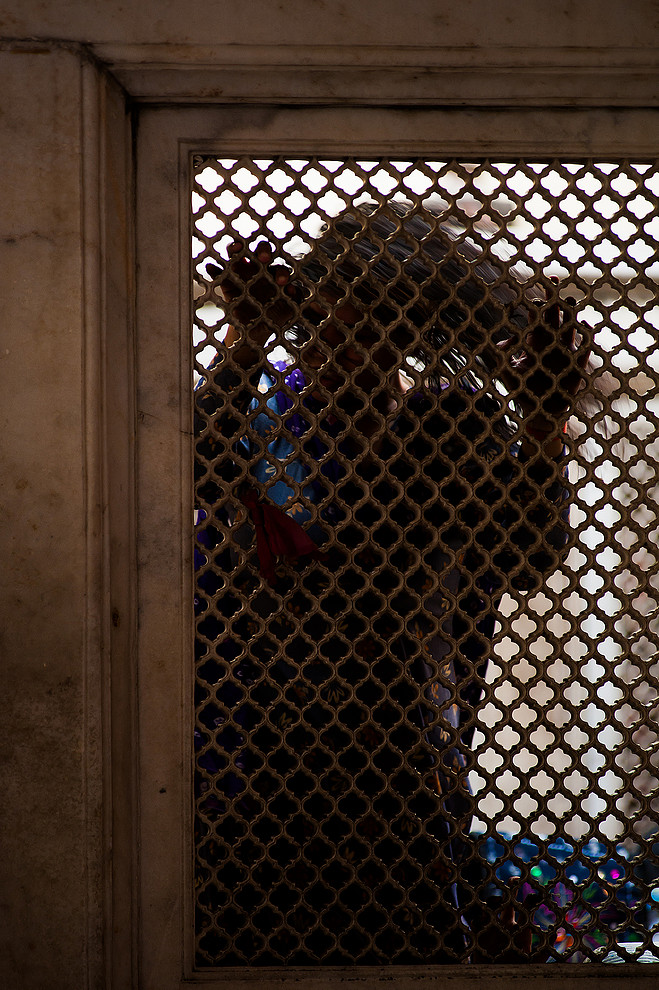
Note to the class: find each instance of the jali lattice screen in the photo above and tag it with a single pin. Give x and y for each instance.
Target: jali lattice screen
(426, 447)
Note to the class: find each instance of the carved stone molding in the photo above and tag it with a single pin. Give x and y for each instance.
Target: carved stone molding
(391, 75)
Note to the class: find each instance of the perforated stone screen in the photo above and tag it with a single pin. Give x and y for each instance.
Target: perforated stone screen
(426, 448)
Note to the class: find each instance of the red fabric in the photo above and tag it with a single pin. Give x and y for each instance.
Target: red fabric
(277, 535)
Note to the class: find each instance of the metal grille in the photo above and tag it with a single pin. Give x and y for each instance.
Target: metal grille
(426, 689)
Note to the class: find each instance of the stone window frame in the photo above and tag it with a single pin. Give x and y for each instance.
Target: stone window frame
(166, 138)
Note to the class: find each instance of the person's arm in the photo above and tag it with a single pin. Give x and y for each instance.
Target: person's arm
(543, 377)
(256, 292)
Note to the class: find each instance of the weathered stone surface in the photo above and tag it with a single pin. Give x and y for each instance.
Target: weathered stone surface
(63, 222)
(43, 478)
(468, 25)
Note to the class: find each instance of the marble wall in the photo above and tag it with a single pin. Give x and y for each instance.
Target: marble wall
(64, 215)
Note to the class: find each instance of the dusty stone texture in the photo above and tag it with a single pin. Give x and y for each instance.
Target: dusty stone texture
(444, 23)
(43, 871)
